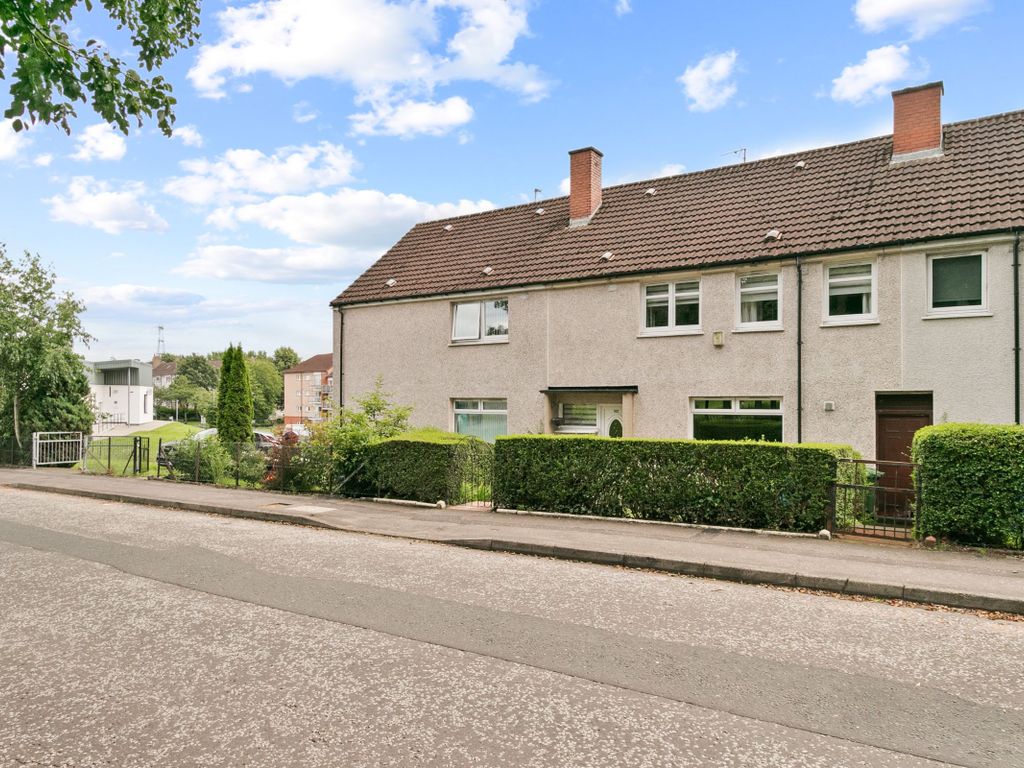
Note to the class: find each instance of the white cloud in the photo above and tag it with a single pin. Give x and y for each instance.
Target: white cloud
(43, 160)
(409, 118)
(100, 142)
(390, 52)
(276, 265)
(242, 174)
(873, 77)
(125, 296)
(920, 17)
(362, 219)
(92, 203)
(564, 186)
(622, 7)
(708, 83)
(189, 136)
(12, 142)
(302, 112)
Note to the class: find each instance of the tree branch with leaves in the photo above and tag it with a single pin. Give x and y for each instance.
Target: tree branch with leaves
(51, 73)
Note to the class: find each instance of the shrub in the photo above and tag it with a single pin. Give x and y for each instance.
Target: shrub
(431, 465)
(205, 461)
(247, 463)
(972, 483)
(745, 484)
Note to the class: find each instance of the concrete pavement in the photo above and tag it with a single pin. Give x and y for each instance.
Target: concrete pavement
(961, 579)
(142, 636)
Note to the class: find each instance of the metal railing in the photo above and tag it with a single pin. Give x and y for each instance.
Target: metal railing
(127, 455)
(880, 499)
(56, 449)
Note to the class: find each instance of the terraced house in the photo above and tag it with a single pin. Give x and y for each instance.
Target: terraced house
(850, 294)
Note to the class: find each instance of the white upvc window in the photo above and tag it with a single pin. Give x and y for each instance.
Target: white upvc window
(759, 301)
(485, 419)
(851, 293)
(480, 321)
(672, 307)
(957, 284)
(737, 418)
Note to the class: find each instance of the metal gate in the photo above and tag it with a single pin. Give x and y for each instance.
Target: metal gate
(56, 449)
(876, 498)
(116, 455)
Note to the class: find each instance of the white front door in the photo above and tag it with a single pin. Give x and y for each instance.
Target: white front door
(609, 420)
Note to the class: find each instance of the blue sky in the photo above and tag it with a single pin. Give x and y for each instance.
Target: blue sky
(313, 133)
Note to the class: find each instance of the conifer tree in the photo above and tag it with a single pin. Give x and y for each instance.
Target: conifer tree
(234, 399)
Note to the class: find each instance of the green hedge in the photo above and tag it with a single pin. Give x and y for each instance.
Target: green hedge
(431, 465)
(745, 484)
(972, 483)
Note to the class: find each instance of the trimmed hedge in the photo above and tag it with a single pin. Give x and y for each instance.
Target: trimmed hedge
(431, 465)
(743, 484)
(972, 483)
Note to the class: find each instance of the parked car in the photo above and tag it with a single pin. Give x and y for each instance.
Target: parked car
(262, 439)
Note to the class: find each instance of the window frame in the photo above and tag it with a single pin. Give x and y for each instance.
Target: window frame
(828, 319)
(967, 311)
(478, 411)
(672, 329)
(762, 325)
(735, 410)
(480, 338)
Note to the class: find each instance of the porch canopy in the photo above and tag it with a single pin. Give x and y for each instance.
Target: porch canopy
(594, 410)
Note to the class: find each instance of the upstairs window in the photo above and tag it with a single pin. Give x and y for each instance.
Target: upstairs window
(851, 291)
(672, 306)
(480, 320)
(760, 301)
(956, 284)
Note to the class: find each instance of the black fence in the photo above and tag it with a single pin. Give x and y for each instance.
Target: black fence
(880, 499)
(116, 456)
(13, 455)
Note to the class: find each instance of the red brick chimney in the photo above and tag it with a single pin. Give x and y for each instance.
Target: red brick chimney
(917, 121)
(584, 185)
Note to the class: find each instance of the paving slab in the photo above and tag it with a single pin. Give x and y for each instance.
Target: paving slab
(975, 580)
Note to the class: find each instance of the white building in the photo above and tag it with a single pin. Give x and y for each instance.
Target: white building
(122, 391)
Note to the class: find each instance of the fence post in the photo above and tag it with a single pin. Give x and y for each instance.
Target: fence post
(110, 464)
(159, 453)
(199, 450)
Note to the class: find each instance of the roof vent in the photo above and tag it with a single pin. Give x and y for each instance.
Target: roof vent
(772, 235)
(391, 283)
(448, 227)
(539, 211)
(800, 165)
(650, 191)
(607, 256)
(487, 270)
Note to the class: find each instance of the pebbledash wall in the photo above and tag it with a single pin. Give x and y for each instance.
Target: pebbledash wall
(590, 334)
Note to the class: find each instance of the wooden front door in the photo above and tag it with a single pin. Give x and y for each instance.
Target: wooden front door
(897, 418)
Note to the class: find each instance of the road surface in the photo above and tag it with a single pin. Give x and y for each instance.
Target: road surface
(136, 636)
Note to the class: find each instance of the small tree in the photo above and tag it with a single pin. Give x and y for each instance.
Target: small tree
(198, 370)
(267, 386)
(234, 399)
(43, 385)
(284, 358)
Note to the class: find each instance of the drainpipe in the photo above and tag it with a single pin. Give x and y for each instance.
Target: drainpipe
(1016, 326)
(799, 351)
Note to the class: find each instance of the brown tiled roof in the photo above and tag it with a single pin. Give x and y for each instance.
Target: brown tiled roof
(847, 196)
(315, 364)
(164, 367)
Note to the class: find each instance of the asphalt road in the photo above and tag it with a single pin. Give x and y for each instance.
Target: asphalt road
(137, 636)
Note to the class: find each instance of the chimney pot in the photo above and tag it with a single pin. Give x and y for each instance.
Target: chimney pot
(917, 122)
(584, 185)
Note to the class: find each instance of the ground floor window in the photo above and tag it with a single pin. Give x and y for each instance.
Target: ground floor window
(737, 419)
(485, 419)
